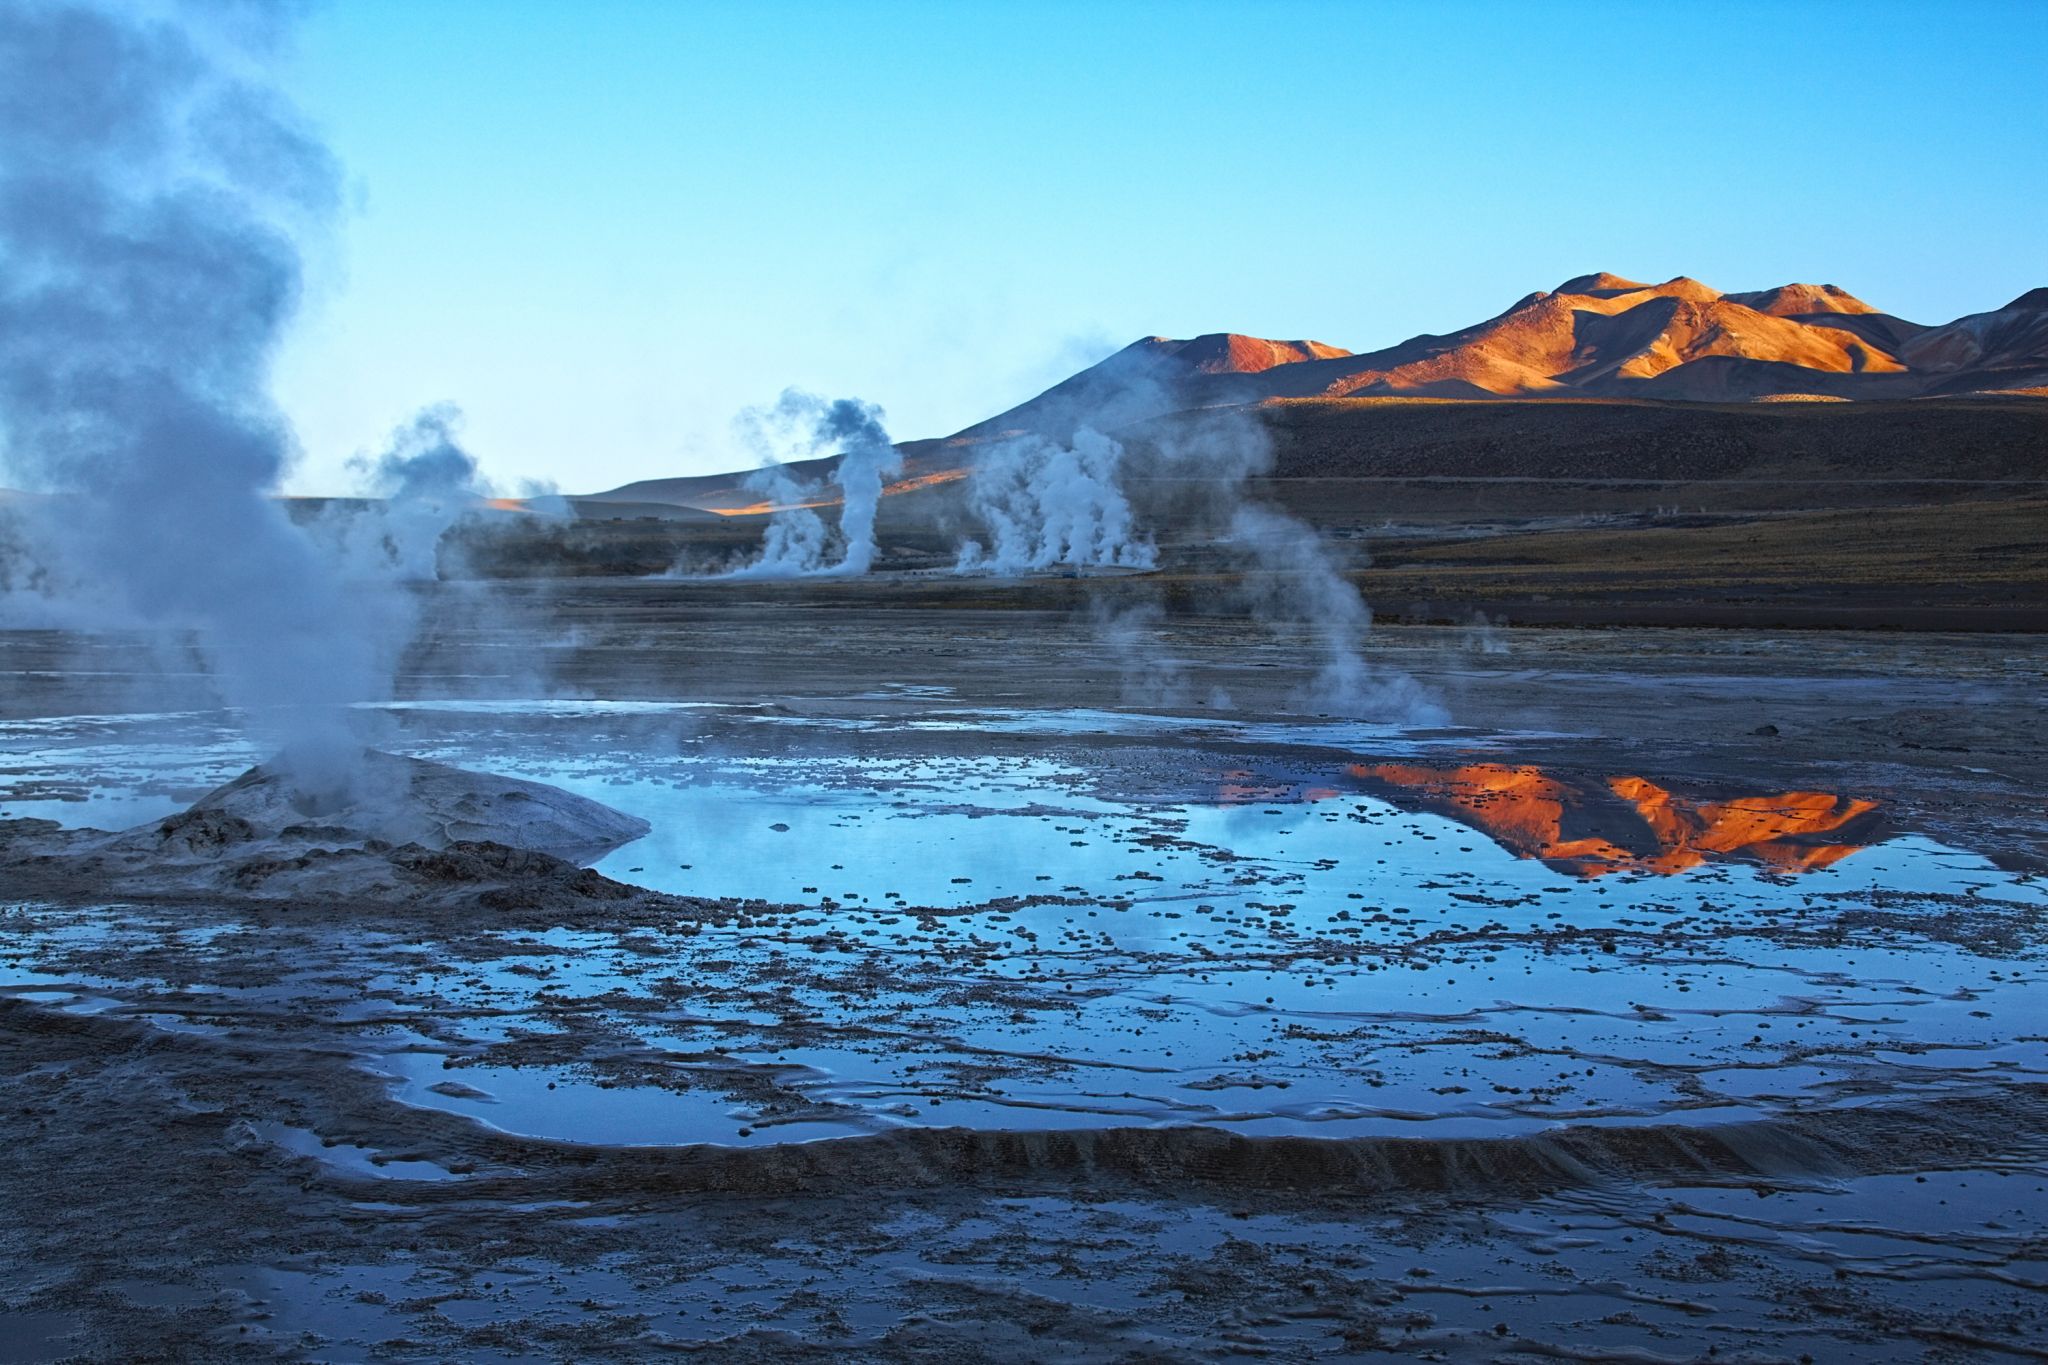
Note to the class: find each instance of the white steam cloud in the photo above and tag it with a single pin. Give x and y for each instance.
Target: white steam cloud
(427, 482)
(797, 543)
(1050, 505)
(1294, 584)
(149, 181)
(1072, 497)
(153, 184)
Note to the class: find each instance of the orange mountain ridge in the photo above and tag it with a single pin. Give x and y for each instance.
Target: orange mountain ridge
(1232, 353)
(1595, 336)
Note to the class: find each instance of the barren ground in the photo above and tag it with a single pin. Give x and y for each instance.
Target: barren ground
(995, 987)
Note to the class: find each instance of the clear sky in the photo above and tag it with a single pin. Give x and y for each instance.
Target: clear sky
(603, 227)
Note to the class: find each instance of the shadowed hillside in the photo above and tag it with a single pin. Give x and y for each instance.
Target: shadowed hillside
(1980, 439)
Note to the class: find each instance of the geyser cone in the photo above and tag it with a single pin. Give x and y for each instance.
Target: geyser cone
(409, 800)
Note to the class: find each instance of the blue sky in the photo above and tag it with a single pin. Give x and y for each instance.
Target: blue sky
(603, 228)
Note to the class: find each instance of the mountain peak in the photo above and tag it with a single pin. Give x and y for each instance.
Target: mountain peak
(1602, 285)
(1802, 300)
(1598, 336)
(1236, 353)
(1599, 284)
(1687, 288)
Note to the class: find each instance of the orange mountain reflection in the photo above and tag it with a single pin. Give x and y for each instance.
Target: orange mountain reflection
(1589, 826)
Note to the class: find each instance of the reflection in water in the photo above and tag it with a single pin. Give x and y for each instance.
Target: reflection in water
(1588, 826)
(1789, 832)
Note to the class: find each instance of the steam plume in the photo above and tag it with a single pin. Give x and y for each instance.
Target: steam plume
(1293, 582)
(148, 183)
(1070, 496)
(796, 543)
(867, 458)
(1049, 505)
(428, 482)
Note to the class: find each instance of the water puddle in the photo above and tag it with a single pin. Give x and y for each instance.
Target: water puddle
(1069, 920)
(343, 1157)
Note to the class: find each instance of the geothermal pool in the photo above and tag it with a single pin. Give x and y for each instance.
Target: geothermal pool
(997, 1012)
(1016, 919)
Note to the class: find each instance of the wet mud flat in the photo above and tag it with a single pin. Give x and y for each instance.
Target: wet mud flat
(942, 1022)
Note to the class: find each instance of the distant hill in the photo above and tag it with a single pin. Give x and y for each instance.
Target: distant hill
(1596, 336)
(1649, 350)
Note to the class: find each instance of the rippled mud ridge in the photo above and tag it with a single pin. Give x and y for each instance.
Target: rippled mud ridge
(913, 1029)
